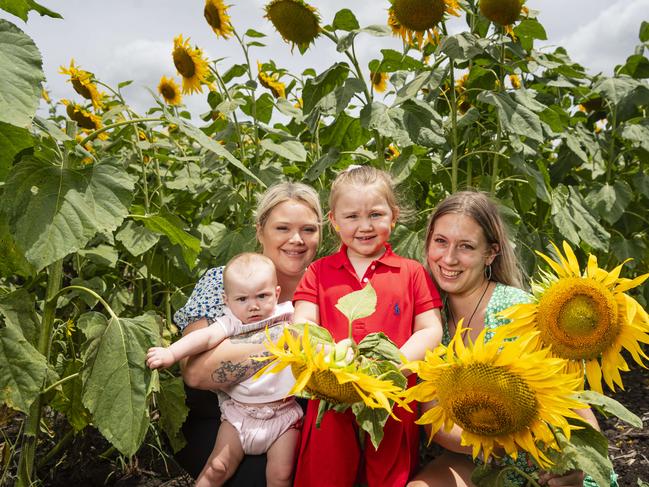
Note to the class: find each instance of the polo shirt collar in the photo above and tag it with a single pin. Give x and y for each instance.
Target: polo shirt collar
(389, 258)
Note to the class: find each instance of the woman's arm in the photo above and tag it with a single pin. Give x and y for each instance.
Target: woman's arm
(227, 364)
(306, 312)
(427, 335)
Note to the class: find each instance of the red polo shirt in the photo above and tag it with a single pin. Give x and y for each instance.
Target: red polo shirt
(403, 287)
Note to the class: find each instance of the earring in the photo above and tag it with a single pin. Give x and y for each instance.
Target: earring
(336, 228)
(487, 272)
(392, 225)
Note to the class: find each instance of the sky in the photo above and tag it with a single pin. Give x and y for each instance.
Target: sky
(132, 39)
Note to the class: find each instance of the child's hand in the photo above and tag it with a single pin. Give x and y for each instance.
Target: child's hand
(159, 357)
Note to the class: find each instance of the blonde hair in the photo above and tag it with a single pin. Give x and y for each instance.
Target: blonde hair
(287, 191)
(361, 176)
(505, 267)
(247, 264)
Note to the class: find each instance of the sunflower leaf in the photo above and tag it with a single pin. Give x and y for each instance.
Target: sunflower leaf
(21, 75)
(379, 347)
(173, 412)
(345, 20)
(21, 8)
(358, 304)
(12, 140)
(609, 405)
(371, 421)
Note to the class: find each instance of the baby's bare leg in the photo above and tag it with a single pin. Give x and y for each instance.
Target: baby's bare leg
(224, 459)
(281, 459)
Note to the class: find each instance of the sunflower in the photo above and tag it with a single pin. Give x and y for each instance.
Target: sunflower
(295, 20)
(82, 83)
(169, 91)
(216, 14)
(270, 81)
(501, 393)
(515, 80)
(379, 81)
(502, 12)
(190, 64)
(392, 152)
(326, 375)
(584, 318)
(88, 122)
(412, 19)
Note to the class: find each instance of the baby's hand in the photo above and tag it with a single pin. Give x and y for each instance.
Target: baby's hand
(159, 357)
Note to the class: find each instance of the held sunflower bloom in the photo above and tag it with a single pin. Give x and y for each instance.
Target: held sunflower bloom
(297, 22)
(271, 81)
(191, 65)
(584, 318)
(501, 393)
(216, 15)
(170, 91)
(82, 83)
(414, 19)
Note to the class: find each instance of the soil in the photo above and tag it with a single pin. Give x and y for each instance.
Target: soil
(83, 466)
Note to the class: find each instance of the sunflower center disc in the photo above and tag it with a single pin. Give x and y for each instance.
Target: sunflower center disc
(168, 92)
(82, 89)
(294, 21)
(419, 15)
(488, 400)
(212, 16)
(184, 63)
(578, 316)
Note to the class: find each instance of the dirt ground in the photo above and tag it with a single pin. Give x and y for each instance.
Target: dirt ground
(629, 450)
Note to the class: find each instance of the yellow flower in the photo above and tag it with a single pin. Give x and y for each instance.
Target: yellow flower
(82, 83)
(584, 318)
(216, 14)
(319, 374)
(45, 95)
(501, 393)
(88, 122)
(412, 19)
(297, 22)
(515, 81)
(379, 81)
(190, 64)
(502, 12)
(392, 152)
(169, 91)
(270, 81)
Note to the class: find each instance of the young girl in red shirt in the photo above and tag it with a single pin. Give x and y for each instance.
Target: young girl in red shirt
(363, 211)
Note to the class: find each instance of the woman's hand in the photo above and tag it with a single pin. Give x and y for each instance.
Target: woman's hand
(574, 478)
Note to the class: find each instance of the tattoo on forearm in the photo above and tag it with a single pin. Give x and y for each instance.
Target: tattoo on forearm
(232, 373)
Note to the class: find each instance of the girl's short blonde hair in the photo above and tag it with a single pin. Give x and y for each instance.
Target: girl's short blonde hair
(362, 176)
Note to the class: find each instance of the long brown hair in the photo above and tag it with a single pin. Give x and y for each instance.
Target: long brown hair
(505, 267)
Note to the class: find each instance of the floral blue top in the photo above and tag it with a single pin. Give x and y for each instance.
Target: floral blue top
(206, 300)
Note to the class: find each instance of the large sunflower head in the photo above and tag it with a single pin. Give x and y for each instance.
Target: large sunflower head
(584, 317)
(87, 121)
(295, 20)
(379, 81)
(216, 14)
(414, 19)
(502, 12)
(169, 91)
(271, 81)
(501, 393)
(191, 65)
(82, 82)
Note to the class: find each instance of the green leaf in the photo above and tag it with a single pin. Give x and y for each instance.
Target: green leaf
(358, 304)
(345, 133)
(235, 71)
(23, 370)
(329, 159)
(408, 243)
(102, 255)
(637, 134)
(317, 333)
(254, 33)
(21, 8)
(115, 377)
(210, 145)
(13, 262)
(422, 123)
(395, 61)
(528, 30)
(587, 451)
(68, 399)
(137, 239)
(53, 212)
(387, 121)
(12, 140)
(173, 411)
(18, 310)
(636, 66)
(292, 150)
(644, 31)
(21, 75)
(461, 47)
(264, 107)
(371, 421)
(610, 201)
(642, 483)
(336, 101)
(514, 117)
(345, 20)
(172, 227)
(609, 406)
(574, 221)
(316, 88)
(378, 346)
(403, 165)
(615, 89)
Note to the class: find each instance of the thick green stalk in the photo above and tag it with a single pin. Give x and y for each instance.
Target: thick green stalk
(32, 422)
(453, 109)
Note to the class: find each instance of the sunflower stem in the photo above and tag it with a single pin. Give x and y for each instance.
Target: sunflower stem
(237, 126)
(94, 134)
(255, 122)
(454, 158)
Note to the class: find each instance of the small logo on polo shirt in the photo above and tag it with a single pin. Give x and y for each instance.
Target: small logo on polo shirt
(397, 311)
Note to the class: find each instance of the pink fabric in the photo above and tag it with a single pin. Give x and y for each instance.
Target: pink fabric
(259, 426)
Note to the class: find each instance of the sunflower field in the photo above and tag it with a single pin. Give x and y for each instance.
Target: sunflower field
(108, 217)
